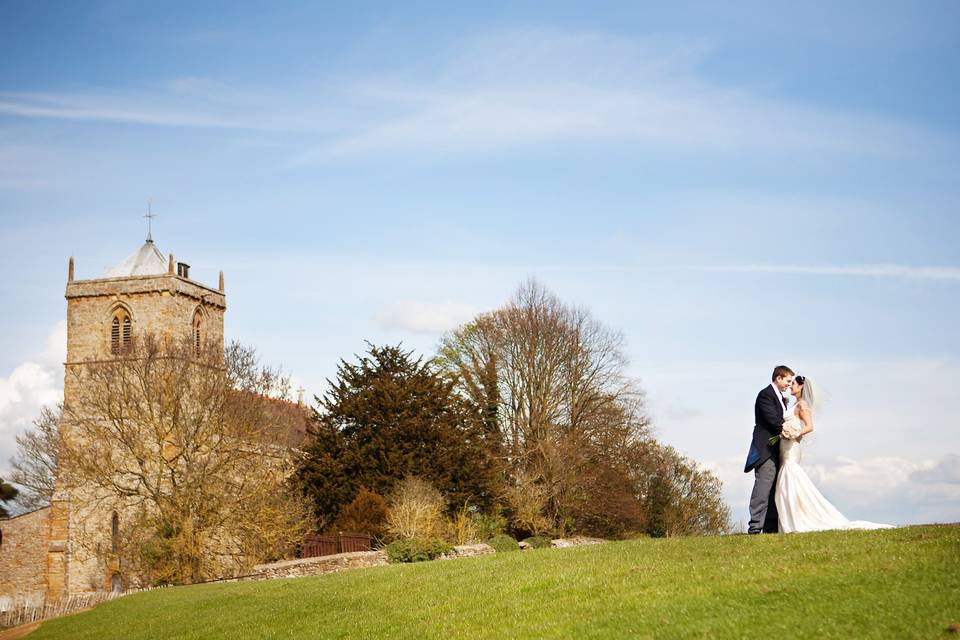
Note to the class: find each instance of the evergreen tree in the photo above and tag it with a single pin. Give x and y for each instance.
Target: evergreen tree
(7, 493)
(388, 416)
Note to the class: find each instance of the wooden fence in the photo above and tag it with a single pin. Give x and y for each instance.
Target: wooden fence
(327, 545)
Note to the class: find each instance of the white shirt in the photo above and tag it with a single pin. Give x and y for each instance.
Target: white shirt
(779, 396)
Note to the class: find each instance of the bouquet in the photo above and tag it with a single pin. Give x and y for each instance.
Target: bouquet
(792, 426)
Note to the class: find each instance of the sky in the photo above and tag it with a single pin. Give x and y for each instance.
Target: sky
(732, 187)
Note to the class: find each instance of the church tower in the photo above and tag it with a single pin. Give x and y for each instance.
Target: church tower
(145, 294)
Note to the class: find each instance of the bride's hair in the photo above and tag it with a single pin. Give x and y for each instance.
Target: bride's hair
(810, 392)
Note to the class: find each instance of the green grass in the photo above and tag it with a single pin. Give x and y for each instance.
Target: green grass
(902, 583)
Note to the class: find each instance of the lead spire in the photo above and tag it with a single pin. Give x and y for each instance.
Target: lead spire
(150, 215)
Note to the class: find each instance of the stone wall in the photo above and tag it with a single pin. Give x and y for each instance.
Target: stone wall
(316, 566)
(469, 551)
(23, 554)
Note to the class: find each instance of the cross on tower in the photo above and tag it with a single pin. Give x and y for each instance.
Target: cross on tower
(150, 215)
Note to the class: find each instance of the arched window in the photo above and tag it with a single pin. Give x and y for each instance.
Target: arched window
(197, 327)
(121, 331)
(115, 532)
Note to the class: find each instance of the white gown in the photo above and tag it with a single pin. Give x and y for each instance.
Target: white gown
(800, 506)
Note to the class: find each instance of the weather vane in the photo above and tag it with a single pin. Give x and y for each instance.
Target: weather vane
(150, 215)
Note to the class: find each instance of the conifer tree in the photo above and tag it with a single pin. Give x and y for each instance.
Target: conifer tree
(7, 493)
(388, 416)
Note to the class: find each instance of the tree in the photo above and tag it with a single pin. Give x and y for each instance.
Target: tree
(192, 451)
(571, 427)
(366, 513)
(389, 416)
(681, 498)
(7, 493)
(551, 380)
(35, 463)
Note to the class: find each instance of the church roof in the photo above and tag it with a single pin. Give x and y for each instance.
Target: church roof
(145, 261)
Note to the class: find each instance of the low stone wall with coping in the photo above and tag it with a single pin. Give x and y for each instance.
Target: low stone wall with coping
(362, 559)
(319, 565)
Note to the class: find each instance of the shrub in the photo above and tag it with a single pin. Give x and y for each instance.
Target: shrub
(539, 542)
(414, 550)
(416, 510)
(488, 525)
(503, 542)
(527, 499)
(463, 530)
(366, 514)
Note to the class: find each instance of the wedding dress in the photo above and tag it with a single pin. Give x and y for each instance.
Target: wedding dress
(799, 505)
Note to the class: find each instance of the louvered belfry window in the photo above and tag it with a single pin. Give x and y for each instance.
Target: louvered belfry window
(197, 322)
(121, 332)
(115, 335)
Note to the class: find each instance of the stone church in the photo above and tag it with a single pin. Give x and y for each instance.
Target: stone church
(148, 293)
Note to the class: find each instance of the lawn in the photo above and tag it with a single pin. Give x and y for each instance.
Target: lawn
(902, 583)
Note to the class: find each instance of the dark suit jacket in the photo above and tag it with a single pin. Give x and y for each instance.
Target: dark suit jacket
(768, 422)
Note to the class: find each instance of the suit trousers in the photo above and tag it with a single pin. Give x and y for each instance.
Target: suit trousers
(763, 507)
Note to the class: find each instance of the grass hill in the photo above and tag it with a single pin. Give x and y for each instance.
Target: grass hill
(902, 583)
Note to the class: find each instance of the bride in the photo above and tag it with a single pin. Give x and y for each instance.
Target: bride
(799, 505)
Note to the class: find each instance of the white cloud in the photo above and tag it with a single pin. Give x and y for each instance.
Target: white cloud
(510, 89)
(106, 108)
(182, 102)
(421, 317)
(527, 87)
(31, 385)
(873, 271)
(947, 471)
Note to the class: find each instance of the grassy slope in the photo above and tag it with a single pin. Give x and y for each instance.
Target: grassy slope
(899, 583)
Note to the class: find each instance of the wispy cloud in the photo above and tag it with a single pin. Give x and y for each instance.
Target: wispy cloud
(183, 102)
(870, 271)
(897, 271)
(507, 90)
(107, 108)
(421, 317)
(527, 87)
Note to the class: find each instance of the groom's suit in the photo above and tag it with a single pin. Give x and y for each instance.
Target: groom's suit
(764, 459)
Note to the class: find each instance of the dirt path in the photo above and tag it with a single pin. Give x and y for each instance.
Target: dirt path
(19, 631)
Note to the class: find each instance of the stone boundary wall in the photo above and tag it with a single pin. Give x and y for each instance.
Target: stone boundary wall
(469, 551)
(23, 554)
(344, 561)
(576, 541)
(362, 559)
(319, 565)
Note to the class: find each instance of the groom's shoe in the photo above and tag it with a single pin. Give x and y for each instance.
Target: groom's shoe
(755, 532)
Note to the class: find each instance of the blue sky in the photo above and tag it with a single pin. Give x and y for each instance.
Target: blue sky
(730, 187)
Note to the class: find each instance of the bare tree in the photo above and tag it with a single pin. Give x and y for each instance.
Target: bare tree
(551, 378)
(193, 450)
(574, 436)
(35, 463)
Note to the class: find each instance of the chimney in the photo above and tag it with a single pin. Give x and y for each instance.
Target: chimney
(70, 271)
(183, 270)
(221, 282)
(170, 265)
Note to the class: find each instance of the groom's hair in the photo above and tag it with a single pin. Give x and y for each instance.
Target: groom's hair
(782, 372)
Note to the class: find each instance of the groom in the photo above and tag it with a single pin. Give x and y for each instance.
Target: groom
(764, 458)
